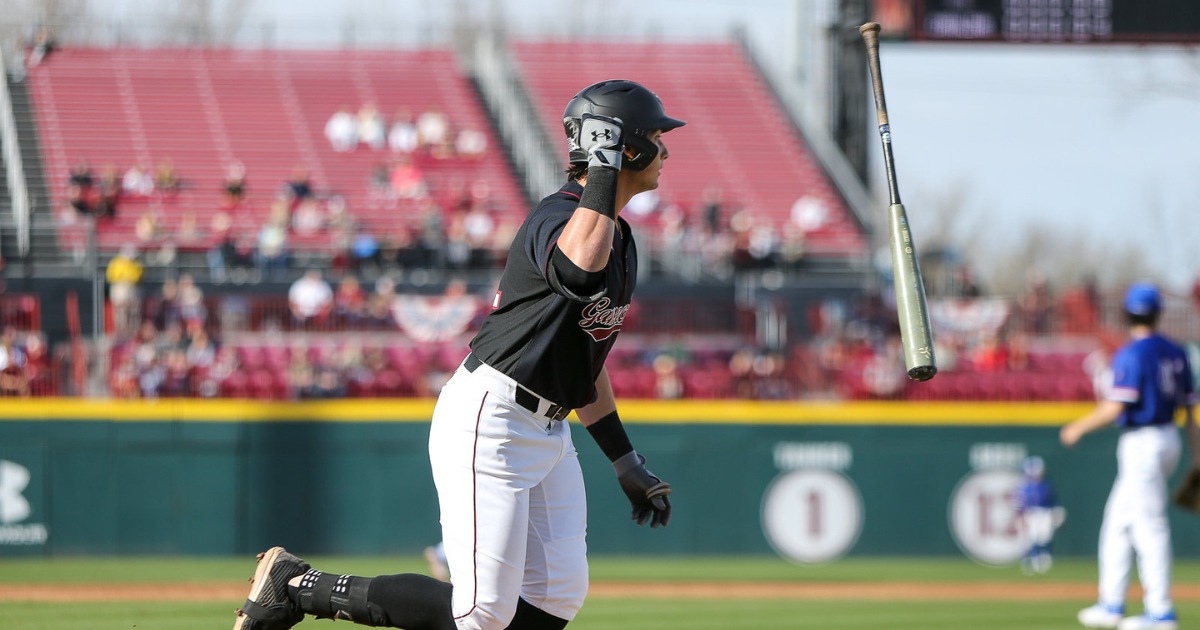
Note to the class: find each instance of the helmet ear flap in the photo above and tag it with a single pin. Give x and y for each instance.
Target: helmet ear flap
(646, 153)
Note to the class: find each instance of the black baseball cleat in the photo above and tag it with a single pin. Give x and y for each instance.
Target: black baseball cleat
(268, 606)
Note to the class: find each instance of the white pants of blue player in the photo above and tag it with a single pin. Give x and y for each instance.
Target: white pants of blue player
(1135, 518)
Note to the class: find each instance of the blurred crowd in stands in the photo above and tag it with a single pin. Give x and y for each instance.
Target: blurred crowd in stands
(458, 231)
(1040, 345)
(452, 225)
(334, 334)
(169, 344)
(167, 347)
(344, 338)
(455, 227)
(430, 132)
(27, 366)
(100, 196)
(408, 199)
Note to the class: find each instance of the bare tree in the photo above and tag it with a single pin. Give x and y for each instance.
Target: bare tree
(1065, 257)
(23, 18)
(204, 23)
(1145, 78)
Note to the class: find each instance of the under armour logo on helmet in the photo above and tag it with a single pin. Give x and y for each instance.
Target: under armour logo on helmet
(603, 133)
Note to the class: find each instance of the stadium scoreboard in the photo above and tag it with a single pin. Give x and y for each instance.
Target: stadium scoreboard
(1041, 21)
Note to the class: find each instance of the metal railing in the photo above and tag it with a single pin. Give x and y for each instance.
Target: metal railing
(15, 170)
(232, 313)
(515, 114)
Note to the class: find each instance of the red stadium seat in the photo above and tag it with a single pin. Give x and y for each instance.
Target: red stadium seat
(449, 356)
(251, 357)
(235, 386)
(706, 382)
(264, 386)
(940, 387)
(625, 383)
(204, 109)
(276, 357)
(358, 389)
(390, 384)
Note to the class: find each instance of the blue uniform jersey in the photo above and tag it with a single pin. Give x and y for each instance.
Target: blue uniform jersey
(1151, 376)
(1034, 493)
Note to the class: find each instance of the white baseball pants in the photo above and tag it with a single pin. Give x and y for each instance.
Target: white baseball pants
(1135, 518)
(513, 509)
(1039, 525)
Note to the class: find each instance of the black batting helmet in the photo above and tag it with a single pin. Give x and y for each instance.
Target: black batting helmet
(640, 111)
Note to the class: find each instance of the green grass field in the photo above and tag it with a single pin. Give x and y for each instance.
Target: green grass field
(600, 613)
(606, 614)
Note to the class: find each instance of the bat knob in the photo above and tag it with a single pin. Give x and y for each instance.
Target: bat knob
(869, 27)
(922, 372)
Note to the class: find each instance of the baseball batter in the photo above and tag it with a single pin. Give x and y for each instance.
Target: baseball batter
(1151, 379)
(509, 483)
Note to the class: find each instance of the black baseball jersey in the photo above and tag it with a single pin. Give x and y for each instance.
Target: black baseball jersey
(552, 344)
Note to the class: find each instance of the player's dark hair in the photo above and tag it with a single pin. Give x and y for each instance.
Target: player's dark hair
(575, 172)
(1148, 319)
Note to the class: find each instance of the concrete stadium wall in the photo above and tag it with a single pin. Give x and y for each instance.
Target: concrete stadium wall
(222, 477)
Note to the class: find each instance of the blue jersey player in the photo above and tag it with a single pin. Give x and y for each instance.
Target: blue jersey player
(1151, 380)
(1039, 514)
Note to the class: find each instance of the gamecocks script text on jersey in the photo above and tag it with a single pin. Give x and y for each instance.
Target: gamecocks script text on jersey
(601, 322)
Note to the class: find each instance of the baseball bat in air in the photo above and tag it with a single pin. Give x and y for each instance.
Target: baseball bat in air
(910, 290)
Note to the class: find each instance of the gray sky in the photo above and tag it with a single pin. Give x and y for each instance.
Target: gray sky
(1096, 145)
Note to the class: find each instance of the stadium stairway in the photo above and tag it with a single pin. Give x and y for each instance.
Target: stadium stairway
(44, 250)
(536, 160)
(7, 237)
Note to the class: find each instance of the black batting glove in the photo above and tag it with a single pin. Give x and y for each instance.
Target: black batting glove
(646, 492)
(604, 139)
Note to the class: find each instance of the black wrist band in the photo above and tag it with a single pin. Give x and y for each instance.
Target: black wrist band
(600, 192)
(610, 436)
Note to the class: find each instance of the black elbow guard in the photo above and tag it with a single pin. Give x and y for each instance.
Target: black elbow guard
(571, 281)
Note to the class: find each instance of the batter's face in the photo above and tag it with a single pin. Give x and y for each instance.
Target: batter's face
(647, 179)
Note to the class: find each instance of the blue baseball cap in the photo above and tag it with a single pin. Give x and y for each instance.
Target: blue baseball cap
(1142, 299)
(1033, 466)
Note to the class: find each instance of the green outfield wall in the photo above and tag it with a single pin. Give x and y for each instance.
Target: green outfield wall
(812, 482)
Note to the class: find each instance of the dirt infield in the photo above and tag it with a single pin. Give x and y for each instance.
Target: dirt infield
(235, 592)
